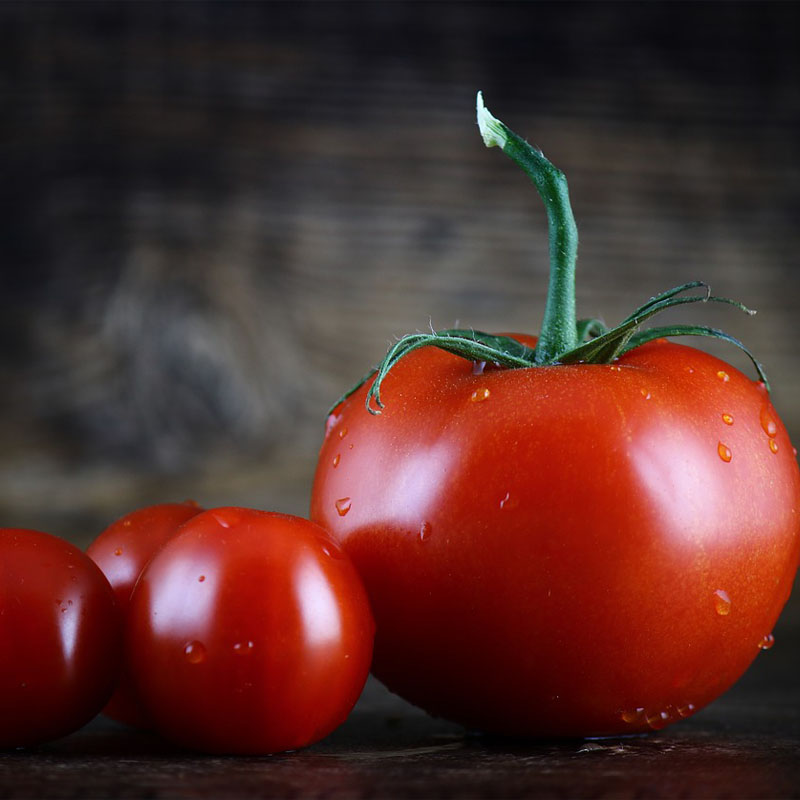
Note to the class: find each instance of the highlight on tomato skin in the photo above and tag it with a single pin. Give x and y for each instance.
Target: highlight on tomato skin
(60, 638)
(122, 551)
(249, 632)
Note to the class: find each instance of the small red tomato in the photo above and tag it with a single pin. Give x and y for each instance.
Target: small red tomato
(59, 638)
(249, 632)
(122, 551)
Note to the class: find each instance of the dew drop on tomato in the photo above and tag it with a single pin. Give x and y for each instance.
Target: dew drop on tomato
(329, 548)
(343, 505)
(722, 602)
(336, 459)
(767, 422)
(723, 376)
(244, 648)
(632, 716)
(195, 652)
(724, 452)
(658, 720)
(425, 531)
(727, 419)
(508, 502)
(773, 445)
(687, 710)
(767, 642)
(479, 395)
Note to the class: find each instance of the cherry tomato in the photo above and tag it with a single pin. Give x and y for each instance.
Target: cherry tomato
(59, 638)
(122, 551)
(249, 632)
(568, 550)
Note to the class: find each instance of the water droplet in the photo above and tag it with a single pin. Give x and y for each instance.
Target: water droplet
(330, 549)
(478, 367)
(343, 505)
(221, 520)
(195, 652)
(126, 523)
(687, 710)
(658, 720)
(118, 551)
(645, 393)
(767, 642)
(615, 368)
(632, 716)
(723, 376)
(767, 422)
(690, 370)
(425, 531)
(722, 602)
(201, 578)
(330, 423)
(724, 452)
(773, 445)
(727, 419)
(509, 502)
(342, 433)
(243, 648)
(336, 459)
(479, 395)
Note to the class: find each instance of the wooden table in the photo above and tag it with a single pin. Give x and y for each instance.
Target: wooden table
(746, 745)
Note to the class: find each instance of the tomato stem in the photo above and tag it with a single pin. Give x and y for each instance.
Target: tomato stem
(558, 333)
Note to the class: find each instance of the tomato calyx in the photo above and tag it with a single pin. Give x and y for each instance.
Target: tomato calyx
(563, 339)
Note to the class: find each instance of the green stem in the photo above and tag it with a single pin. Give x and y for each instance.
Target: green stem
(558, 333)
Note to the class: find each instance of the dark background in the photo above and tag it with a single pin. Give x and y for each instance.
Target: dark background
(216, 216)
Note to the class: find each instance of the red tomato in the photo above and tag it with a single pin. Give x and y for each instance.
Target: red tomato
(122, 551)
(59, 638)
(249, 632)
(565, 550)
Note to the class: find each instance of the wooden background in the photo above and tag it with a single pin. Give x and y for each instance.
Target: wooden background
(216, 216)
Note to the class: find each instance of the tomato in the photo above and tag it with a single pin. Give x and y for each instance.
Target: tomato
(595, 539)
(576, 550)
(59, 638)
(122, 551)
(249, 632)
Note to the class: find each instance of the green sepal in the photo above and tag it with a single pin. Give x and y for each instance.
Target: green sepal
(649, 335)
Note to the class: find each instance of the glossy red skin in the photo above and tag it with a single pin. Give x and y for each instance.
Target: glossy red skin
(543, 560)
(59, 638)
(249, 632)
(122, 551)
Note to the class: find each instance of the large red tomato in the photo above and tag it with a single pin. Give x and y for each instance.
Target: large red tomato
(571, 550)
(122, 551)
(249, 632)
(596, 538)
(59, 638)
